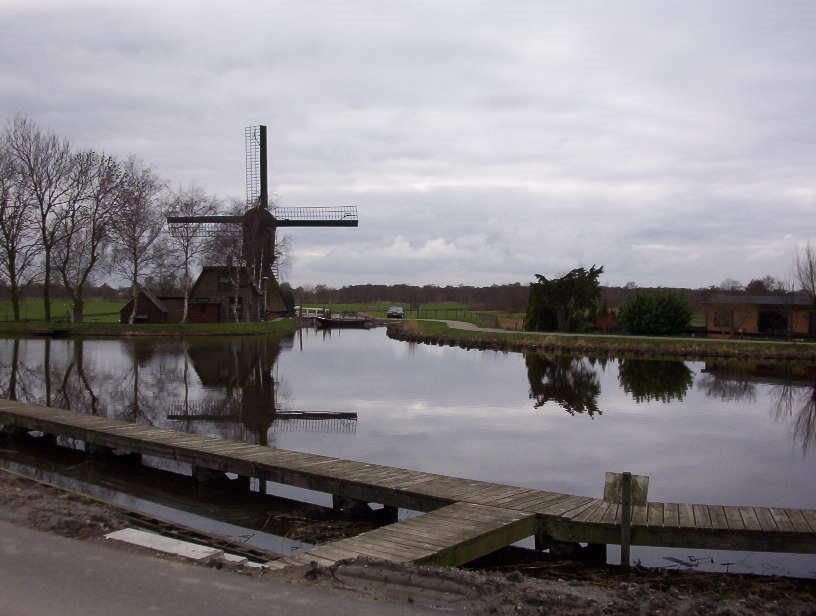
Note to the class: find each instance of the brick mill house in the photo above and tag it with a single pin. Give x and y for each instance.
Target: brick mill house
(761, 314)
(214, 298)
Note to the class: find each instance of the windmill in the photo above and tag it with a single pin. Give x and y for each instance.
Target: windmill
(259, 223)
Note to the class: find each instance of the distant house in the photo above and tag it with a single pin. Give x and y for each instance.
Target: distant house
(761, 314)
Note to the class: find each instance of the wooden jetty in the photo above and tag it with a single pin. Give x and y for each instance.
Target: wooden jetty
(466, 519)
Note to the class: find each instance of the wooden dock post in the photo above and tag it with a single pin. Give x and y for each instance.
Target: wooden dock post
(263, 488)
(98, 451)
(626, 518)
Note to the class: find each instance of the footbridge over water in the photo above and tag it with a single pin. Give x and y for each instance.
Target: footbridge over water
(465, 518)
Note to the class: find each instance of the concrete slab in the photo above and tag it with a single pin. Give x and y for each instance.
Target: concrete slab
(166, 545)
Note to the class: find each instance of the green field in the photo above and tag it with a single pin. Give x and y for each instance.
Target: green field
(96, 310)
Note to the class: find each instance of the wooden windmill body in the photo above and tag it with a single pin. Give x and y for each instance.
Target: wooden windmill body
(258, 224)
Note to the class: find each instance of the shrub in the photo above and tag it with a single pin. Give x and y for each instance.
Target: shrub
(655, 313)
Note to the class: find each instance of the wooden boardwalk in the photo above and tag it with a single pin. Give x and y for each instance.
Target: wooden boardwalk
(450, 536)
(486, 515)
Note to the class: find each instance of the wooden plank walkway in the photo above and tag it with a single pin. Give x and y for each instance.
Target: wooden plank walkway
(564, 517)
(449, 536)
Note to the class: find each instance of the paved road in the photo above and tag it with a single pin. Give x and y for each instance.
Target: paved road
(42, 573)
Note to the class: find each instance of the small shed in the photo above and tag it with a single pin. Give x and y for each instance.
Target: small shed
(149, 309)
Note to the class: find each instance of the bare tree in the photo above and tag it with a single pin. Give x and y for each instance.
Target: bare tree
(19, 243)
(226, 249)
(187, 241)
(136, 226)
(47, 167)
(806, 270)
(85, 235)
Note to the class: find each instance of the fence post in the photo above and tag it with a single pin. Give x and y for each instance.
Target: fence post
(626, 518)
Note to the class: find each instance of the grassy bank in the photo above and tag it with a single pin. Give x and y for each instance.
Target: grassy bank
(431, 332)
(283, 326)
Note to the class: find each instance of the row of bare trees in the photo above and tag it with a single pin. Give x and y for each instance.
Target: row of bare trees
(69, 215)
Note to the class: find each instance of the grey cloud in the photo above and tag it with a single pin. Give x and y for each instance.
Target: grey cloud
(671, 142)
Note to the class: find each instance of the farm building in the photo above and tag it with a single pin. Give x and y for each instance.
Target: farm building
(779, 315)
(151, 309)
(219, 294)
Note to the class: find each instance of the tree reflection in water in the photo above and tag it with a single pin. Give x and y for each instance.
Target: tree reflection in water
(799, 403)
(792, 387)
(727, 381)
(570, 382)
(236, 393)
(655, 380)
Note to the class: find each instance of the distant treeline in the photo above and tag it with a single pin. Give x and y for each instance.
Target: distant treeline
(509, 297)
(103, 291)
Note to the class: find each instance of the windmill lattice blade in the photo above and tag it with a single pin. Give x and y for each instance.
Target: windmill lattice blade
(199, 226)
(341, 216)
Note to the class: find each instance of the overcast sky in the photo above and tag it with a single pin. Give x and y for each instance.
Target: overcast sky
(672, 142)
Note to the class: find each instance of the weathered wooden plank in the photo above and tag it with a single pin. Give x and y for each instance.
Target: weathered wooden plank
(579, 509)
(686, 514)
(598, 514)
(560, 507)
(810, 518)
(780, 516)
(655, 514)
(524, 493)
(749, 518)
(733, 518)
(717, 515)
(390, 553)
(413, 537)
(640, 515)
(701, 516)
(766, 521)
(442, 526)
(798, 521)
(476, 512)
(671, 515)
(591, 512)
(542, 501)
(612, 514)
(400, 551)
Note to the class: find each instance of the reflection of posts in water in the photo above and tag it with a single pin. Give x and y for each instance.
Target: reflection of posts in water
(79, 360)
(47, 370)
(15, 358)
(570, 382)
(652, 380)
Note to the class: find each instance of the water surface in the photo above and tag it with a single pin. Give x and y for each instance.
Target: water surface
(714, 432)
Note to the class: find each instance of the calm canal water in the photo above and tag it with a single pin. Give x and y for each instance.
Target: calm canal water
(714, 432)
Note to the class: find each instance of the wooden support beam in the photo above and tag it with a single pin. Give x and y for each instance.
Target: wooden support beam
(626, 518)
